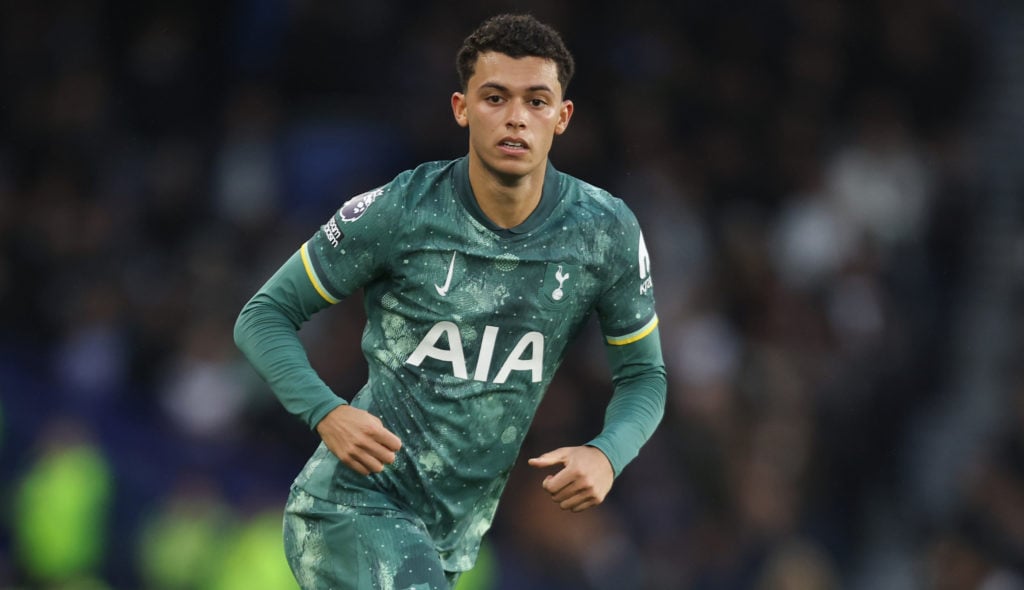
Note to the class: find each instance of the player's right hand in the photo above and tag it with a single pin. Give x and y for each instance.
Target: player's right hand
(359, 439)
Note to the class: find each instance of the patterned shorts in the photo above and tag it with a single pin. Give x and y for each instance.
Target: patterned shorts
(335, 547)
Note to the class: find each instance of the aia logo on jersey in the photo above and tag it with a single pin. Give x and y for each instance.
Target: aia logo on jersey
(443, 343)
(354, 208)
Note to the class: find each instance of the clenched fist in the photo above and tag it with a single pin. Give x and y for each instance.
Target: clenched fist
(583, 481)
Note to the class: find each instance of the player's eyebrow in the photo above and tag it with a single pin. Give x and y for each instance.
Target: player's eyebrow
(503, 88)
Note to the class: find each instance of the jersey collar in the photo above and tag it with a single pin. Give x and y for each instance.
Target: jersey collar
(548, 200)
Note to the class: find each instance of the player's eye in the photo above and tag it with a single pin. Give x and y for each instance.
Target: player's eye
(493, 99)
(538, 102)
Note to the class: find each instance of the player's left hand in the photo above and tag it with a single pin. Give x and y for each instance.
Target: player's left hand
(584, 480)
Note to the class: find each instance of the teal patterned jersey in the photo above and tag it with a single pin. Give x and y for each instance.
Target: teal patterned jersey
(466, 326)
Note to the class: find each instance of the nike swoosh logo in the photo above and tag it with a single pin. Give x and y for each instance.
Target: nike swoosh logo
(442, 291)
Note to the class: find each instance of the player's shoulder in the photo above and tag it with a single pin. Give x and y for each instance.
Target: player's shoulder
(596, 204)
(422, 178)
(393, 199)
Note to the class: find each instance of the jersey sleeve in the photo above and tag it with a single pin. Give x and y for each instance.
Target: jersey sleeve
(638, 401)
(266, 333)
(629, 324)
(346, 253)
(626, 309)
(354, 246)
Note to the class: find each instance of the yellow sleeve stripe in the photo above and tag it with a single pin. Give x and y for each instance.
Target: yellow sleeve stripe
(304, 252)
(635, 335)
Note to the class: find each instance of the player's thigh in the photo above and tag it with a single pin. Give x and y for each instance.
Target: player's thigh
(348, 549)
(408, 557)
(319, 544)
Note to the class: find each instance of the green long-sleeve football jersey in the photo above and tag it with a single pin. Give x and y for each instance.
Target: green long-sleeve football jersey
(466, 325)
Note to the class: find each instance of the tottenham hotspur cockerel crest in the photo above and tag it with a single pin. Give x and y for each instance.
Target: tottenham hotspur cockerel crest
(560, 282)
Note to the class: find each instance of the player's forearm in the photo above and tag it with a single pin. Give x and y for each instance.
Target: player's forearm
(638, 403)
(266, 333)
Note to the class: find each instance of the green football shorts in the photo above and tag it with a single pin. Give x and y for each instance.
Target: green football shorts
(337, 547)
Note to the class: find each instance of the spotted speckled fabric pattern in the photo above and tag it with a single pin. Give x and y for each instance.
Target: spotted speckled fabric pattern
(335, 547)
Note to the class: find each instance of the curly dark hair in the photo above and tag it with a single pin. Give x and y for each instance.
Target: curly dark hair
(515, 35)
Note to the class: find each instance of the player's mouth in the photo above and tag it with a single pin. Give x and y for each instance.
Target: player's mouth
(513, 146)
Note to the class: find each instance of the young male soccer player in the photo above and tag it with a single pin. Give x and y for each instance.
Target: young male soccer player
(477, 274)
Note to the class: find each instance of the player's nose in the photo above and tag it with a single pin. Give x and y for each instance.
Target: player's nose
(516, 116)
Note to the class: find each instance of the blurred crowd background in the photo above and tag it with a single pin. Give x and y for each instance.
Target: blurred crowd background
(831, 192)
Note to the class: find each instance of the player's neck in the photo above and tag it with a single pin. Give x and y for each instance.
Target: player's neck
(507, 202)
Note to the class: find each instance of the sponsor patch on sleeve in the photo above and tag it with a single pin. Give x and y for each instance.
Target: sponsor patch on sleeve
(332, 232)
(354, 208)
(644, 264)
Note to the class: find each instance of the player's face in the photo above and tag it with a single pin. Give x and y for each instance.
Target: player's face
(513, 109)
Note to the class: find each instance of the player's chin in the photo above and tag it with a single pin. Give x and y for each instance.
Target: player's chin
(513, 167)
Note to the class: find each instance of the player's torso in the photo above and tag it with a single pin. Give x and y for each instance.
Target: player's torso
(461, 305)
(483, 311)
(465, 328)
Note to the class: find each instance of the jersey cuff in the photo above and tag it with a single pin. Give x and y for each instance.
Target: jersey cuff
(635, 335)
(314, 277)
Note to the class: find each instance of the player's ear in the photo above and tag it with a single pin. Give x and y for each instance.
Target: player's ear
(459, 109)
(564, 114)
